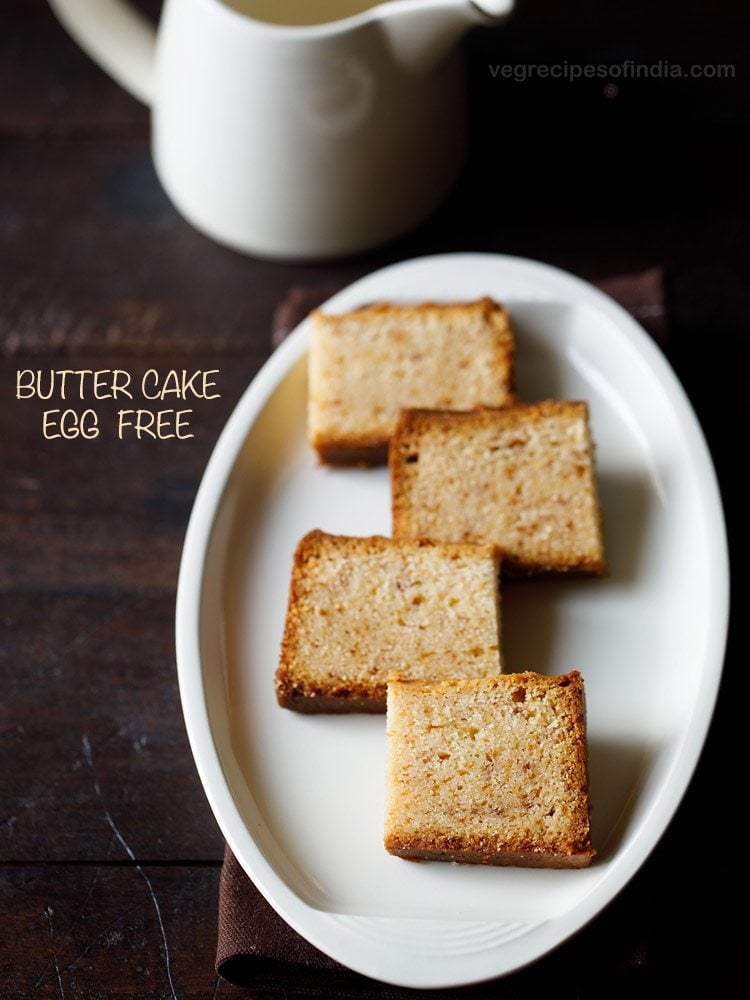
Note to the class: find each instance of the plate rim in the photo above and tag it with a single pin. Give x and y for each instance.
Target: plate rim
(338, 936)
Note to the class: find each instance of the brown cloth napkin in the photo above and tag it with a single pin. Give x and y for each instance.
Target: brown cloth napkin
(256, 948)
(259, 951)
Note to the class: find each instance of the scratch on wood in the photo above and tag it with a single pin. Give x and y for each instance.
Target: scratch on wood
(88, 756)
(48, 914)
(108, 937)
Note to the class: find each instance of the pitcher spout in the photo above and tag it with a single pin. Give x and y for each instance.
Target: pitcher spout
(421, 32)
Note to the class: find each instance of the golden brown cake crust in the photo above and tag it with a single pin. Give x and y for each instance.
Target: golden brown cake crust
(488, 379)
(403, 447)
(312, 700)
(479, 856)
(301, 688)
(353, 451)
(424, 821)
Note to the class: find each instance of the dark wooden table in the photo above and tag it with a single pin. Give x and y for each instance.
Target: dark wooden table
(109, 854)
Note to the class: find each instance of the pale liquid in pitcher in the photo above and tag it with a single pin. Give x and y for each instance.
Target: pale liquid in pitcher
(299, 11)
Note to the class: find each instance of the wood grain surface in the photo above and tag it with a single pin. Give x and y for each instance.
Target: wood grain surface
(109, 855)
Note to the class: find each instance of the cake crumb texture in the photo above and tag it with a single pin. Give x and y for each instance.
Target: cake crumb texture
(522, 478)
(361, 608)
(488, 770)
(365, 365)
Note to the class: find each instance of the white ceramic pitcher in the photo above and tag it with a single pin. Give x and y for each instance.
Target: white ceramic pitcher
(295, 140)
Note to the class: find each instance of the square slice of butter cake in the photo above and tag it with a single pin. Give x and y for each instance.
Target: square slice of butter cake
(365, 365)
(488, 770)
(361, 608)
(522, 478)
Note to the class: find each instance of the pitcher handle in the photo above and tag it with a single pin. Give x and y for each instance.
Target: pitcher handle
(117, 36)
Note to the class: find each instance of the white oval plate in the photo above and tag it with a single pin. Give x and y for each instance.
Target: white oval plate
(300, 798)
